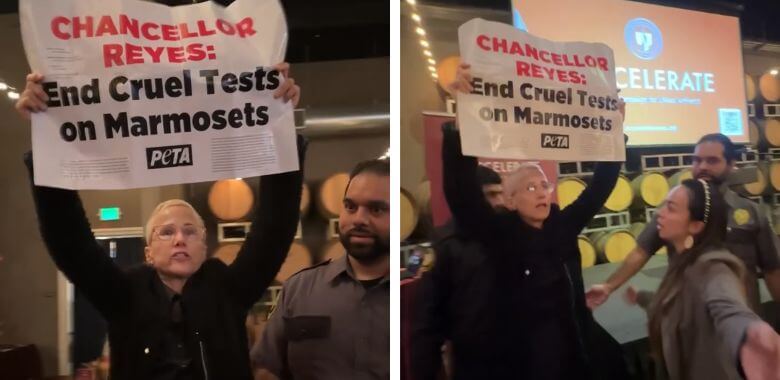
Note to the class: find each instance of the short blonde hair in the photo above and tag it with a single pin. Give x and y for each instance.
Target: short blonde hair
(513, 179)
(162, 206)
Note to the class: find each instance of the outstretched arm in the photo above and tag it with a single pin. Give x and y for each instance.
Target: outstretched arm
(468, 205)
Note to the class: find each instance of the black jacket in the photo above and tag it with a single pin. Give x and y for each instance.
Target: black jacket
(510, 297)
(215, 299)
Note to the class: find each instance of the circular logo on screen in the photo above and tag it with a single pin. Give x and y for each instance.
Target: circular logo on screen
(643, 38)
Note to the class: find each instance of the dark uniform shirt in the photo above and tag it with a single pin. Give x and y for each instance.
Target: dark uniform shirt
(328, 325)
(749, 237)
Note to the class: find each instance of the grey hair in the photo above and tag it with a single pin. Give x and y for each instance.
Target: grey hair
(513, 179)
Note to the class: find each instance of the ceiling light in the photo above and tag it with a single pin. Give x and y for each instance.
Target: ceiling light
(773, 71)
(424, 43)
(3, 86)
(433, 69)
(428, 53)
(416, 17)
(431, 61)
(411, 2)
(420, 31)
(13, 95)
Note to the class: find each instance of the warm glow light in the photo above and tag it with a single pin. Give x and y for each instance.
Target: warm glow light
(420, 31)
(428, 53)
(416, 17)
(424, 43)
(13, 95)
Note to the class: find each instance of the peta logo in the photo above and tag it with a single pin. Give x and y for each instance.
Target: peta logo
(555, 141)
(168, 156)
(643, 38)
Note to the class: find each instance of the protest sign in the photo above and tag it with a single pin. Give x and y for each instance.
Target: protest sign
(142, 94)
(537, 99)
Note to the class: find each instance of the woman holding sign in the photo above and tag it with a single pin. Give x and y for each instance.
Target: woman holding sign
(700, 324)
(181, 316)
(527, 317)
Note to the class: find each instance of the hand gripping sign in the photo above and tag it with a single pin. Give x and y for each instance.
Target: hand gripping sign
(537, 99)
(142, 94)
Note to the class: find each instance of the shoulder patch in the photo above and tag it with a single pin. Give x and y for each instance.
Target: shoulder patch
(741, 216)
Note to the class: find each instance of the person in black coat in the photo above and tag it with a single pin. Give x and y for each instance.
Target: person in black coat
(510, 296)
(182, 316)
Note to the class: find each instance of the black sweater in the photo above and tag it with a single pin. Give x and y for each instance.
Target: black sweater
(215, 299)
(510, 296)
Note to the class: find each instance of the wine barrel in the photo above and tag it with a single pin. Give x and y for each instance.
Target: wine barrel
(227, 252)
(330, 201)
(621, 197)
(755, 134)
(409, 214)
(650, 189)
(298, 258)
(774, 175)
(422, 197)
(750, 88)
(758, 187)
(569, 189)
(230, 199)
(772, 132)
(680, 176)
(769, 85)
(587, 251)
(613, 246)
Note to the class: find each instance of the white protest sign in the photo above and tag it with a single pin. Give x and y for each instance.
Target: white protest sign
(142, 94)
(537, 99)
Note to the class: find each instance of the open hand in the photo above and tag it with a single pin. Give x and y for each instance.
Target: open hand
(462, 82)
(760, 354)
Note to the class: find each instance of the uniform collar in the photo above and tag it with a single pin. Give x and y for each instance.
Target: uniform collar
(340, 267)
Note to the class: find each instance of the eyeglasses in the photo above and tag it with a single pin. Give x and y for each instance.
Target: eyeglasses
(545, 187)
(166, 232)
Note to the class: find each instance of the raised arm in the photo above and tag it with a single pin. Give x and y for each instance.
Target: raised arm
(69, 240)
(272, 231)
(468, 205)
(592, 199)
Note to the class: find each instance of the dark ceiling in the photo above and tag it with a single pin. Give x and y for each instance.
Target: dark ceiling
(321, 30)
(759, 18)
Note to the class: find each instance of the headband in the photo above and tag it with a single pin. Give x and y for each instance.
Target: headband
(707, 200)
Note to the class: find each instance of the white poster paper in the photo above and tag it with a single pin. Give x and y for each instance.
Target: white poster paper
(142, 94)
(537, 99)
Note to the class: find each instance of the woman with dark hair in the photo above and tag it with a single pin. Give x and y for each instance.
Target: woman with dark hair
(700, 326)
